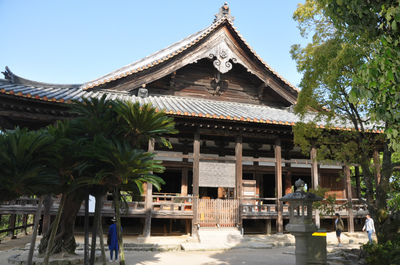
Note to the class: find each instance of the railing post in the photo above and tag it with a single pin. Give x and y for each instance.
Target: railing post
(11, 226)
(46, 214)
(25, 223)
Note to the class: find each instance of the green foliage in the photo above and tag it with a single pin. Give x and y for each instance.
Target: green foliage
(4, 220)
(378, 80)
(328, 63)
(28, 163)
(304, 133)
(327, 206)
(352, 72)
(114, 138)
(124, 166)
(144, 122)
(387, 253)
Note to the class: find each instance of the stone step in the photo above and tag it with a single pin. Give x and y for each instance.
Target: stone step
(141, 247)
(219, 235)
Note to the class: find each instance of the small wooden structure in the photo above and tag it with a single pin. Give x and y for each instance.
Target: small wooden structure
(235, 117)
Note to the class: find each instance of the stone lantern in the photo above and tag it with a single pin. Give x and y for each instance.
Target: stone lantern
(300, 223)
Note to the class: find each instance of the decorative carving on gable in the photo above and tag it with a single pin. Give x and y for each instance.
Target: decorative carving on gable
(222, 56)
(218, 87)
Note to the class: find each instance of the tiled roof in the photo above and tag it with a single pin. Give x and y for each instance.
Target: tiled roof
(172, 51)
(181, 106)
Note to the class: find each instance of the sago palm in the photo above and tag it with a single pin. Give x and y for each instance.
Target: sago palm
(27, 163)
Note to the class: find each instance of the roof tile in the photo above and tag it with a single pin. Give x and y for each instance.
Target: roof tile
(184, 106)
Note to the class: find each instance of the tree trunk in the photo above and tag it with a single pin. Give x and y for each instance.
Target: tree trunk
(53, 232)
(119, 233)
(96, 221)
(86, 228)
(34, 231)
(65, 240)
(103, 252)
(386, 223)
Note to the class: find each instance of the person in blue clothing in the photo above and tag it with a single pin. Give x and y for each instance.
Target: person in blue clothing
(113, 246)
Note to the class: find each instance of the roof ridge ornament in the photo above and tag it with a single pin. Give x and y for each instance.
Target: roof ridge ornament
(8, 74)
(224, 11)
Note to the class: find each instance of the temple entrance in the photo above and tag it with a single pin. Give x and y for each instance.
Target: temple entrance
(218, 213)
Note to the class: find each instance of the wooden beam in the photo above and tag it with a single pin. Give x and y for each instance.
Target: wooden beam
(31, 116)
(278, 185)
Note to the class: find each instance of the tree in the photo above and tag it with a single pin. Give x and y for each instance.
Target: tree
(378, 80)
(99, 130)
(124, 168)
(28, 163)
(331, 66)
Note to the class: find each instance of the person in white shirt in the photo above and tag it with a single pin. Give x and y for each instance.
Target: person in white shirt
(370, 227)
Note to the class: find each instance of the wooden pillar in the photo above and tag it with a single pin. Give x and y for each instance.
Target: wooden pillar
(46, 221)
(239, 175)
(288, 182)
(184, 182)
(196, 175)
(315, 178)
(11, 225)
(377, 167)
(148, 200)
(278, 185)
(349, 199)
(185, 177)
(260, 185)
(288, 175)
(239, 166)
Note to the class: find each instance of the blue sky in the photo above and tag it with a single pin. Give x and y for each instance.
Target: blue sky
(77, 41)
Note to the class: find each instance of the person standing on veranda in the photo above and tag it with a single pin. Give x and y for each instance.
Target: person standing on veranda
(369, 226)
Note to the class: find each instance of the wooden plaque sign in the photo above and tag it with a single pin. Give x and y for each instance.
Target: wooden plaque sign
(217, 174)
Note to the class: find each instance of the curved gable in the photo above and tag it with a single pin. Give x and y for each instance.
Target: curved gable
(219, 42)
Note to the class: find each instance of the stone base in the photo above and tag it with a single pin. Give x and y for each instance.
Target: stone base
(57, 259)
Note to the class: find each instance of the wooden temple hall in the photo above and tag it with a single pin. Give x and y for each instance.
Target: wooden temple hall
(234, 154)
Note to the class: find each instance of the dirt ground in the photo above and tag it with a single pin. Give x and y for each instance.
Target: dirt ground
(239, 256)
(234, 257)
